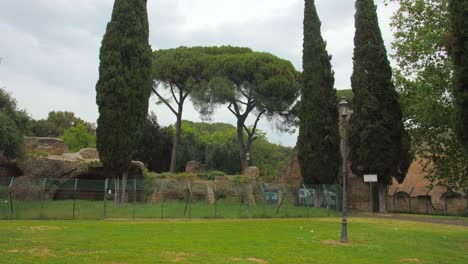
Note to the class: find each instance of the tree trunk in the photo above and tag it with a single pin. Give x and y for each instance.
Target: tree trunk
(124, 186)
(382, 198)
(175, 146)
(242, 148)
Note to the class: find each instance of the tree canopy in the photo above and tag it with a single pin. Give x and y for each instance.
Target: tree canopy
(13, 125)
(183, 72)
(377, 138)
(424, 79)
(318, 142)
(255, 83)
(56, 123)
(459, 29)
(124, 85)
(77, 137)
(154, 148)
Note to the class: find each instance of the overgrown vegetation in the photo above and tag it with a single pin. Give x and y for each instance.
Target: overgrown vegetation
(424, 79)
(13, 125)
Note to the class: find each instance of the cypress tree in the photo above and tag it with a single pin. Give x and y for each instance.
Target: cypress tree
(318, 142)
(124, 86)
(378, 142)
(459, 24)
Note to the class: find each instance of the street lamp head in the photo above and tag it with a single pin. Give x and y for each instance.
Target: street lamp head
(344, 107)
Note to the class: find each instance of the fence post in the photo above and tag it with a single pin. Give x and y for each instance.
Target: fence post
(190, 200)
(263, 198)
(427, 201)
(106, 185)
(394, 202)
(74, 197)
(286, 200)
(42, 197)
(162, 199)
(240, 199)
(445, 209)
(215, 200)
(409, 201)
(134, 196)
(10, 201)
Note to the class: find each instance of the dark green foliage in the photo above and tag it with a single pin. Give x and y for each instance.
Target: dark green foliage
(216, 146)
(13, 125)
(11, 139)
(459, 27)
(424, 79)
(377, 139)
(318, 142)
(124, 84)
(77, 137)
(56, 123)
(155, 145)
(255, 83)
(348, 94)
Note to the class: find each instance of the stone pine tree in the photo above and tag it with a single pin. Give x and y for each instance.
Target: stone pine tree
(318, 142)
(459, 27)
(123, 88)
(378, 141)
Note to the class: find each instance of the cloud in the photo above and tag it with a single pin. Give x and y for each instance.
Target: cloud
(50, 48)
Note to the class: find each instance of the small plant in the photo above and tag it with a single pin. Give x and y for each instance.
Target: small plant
(42, 154)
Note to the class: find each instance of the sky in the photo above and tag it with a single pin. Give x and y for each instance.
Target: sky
(49, 49)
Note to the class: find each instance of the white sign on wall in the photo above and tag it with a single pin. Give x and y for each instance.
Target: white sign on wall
(370, 177)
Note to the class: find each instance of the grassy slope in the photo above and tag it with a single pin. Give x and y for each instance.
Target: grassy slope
(231, 241)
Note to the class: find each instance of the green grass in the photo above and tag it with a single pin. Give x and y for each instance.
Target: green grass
(94, 210)
(311, 240)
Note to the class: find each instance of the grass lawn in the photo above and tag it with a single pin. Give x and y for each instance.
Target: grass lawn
(311, 240)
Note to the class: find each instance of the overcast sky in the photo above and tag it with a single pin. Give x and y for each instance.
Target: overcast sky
(50, 48)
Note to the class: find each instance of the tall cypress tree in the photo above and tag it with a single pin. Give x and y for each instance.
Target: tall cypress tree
(124, 86)
(378, 142)
(459, 27)
(318, 142)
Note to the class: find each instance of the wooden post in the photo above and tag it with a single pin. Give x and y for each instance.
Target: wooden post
(10, 200)
(42, 197)
(409, 201)
(215, 200)
(134, 197)
(74, 197)
(106, 185)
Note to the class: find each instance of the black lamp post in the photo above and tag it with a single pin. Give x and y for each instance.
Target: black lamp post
(344, 109)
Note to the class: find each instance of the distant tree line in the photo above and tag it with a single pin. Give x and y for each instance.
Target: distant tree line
(214, 145)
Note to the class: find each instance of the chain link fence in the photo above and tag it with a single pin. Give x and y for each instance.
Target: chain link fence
(163, 198)
(424, 200)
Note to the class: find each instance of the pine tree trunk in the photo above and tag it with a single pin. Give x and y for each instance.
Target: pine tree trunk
(175, 146)
(242, 148)
(382, 198)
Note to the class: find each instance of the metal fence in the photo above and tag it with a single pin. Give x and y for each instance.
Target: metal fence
(51, 198)
(424, 200)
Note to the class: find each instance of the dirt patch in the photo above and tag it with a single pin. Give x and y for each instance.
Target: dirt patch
(336, 243)
(44, 228)
(254, 260)
(38, 228)
(38, 252)
(175, 256)
(412, 260)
